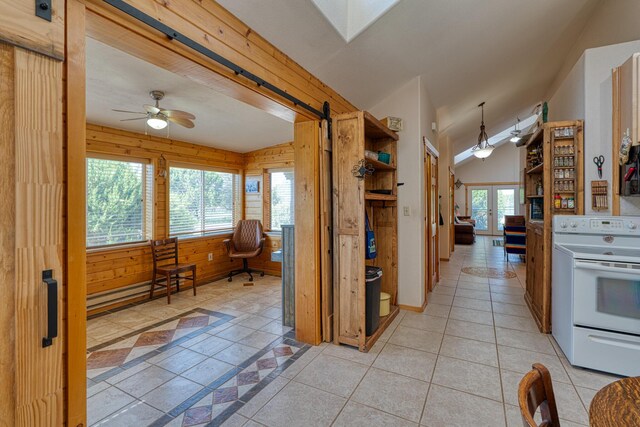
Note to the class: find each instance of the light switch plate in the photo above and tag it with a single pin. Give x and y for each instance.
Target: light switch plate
(406, 210)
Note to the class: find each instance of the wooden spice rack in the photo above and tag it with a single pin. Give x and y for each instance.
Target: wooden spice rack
(600, 195)
(555, 168)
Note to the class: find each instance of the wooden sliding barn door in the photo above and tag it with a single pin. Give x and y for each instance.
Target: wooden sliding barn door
(31, 102)
(306, 143)
(326, 236)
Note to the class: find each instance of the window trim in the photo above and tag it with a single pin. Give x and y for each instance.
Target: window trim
(207, 168)
(146, 204)
(266, 199)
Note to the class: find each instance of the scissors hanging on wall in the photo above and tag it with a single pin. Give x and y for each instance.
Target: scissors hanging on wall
(599, 161)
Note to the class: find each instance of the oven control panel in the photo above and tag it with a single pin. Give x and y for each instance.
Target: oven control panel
(606, 224)
(596, 225)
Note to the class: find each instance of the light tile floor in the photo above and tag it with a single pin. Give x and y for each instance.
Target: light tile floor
(456, 364)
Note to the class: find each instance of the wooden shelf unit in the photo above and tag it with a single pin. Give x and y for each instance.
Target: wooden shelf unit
(353, 133)
(555, 160)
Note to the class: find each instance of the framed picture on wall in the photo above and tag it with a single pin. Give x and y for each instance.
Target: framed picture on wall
(252, 186)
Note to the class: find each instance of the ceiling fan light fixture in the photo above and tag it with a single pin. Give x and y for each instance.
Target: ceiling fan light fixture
(515, 139)
(156, 122)
(483, 149)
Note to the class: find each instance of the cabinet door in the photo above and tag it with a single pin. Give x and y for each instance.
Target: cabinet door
(531, 266)
(348, 240)
(629, 108)
(538, 285)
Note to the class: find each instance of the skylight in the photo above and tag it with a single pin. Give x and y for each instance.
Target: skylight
(352, 17)
(497, 138)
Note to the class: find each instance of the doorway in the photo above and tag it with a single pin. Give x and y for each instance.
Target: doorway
(301, 155)
(432, 215)
(488, 205)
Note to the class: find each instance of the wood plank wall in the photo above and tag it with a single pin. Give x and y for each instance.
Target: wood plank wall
(110, 269)
(257, 166)
(222, 32)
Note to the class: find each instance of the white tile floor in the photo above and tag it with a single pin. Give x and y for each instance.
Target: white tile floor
(456, 364)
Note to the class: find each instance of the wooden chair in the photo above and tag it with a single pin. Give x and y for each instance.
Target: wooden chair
(536, 391)
(165, 263)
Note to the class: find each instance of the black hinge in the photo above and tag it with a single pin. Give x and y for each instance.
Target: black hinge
(43, 9)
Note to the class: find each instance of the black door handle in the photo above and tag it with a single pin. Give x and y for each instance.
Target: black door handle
(52, 307)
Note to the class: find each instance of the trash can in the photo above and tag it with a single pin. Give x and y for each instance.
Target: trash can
(373, 279)
(385, 301)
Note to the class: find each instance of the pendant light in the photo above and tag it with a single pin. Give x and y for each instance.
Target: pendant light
(516, 132)
(483, 149)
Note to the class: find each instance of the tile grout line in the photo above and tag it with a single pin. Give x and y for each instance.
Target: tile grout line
(435, 365)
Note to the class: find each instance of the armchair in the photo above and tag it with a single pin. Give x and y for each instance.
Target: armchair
(247, 242)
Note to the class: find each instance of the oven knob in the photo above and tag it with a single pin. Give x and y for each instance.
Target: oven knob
(632, 226)
(563, 225)
(573, 224)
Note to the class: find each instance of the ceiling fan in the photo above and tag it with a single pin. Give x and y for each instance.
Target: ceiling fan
(159, 118)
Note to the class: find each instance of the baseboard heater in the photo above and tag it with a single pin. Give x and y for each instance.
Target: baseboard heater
(107, 298)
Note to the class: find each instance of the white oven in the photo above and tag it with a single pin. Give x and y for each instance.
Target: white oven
(595, 286)
(607, 296)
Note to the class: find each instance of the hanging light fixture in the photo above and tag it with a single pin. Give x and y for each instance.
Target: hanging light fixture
(483, 149)
(516, 132)
(157, 121)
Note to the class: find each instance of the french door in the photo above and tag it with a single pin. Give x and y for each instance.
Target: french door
(488, 205)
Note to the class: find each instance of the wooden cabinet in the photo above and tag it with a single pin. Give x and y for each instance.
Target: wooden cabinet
(626, 118)
(362, 184)
(537, 294)
(554, 185)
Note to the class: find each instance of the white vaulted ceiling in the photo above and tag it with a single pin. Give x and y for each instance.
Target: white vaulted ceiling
(116, 80)
(504, 52)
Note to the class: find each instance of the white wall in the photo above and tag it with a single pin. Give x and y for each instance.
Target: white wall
(502, 166)
(586, 94)
(411, 103)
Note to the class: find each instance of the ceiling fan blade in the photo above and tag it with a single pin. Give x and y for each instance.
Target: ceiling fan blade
(137, 118)
(182, 122)
(127, 111)
(178, 114)
(151, 109)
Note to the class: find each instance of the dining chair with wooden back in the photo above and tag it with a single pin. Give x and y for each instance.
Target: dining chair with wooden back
(536, 391)
(166, 265)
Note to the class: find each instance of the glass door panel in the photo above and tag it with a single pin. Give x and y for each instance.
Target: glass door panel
(480, 204)
(505, 205)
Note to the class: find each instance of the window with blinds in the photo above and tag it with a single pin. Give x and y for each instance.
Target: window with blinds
(119, 201)
(282, 203)
(202, 201)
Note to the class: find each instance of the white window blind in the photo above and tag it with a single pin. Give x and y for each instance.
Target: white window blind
(119, 201)
(202, 201)
(282, 199)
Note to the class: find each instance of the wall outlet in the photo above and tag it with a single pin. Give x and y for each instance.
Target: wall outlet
(406, 210)
(210, 256)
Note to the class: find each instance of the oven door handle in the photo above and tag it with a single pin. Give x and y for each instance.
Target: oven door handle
(600, 267)
(616, 342)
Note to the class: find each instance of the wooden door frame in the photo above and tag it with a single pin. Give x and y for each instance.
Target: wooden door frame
(452, 211)
(103, 23)
(430, 154)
